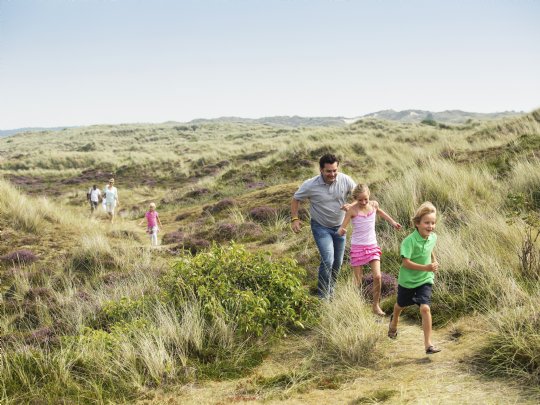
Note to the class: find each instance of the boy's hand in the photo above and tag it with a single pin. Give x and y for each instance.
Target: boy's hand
(434, 267)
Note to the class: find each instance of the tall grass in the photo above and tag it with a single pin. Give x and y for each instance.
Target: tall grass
(514, 341)
(347, 333)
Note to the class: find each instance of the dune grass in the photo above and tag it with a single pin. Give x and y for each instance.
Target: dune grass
(89, 321)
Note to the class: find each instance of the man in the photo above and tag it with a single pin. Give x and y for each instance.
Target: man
(328, 194)
(93, 195)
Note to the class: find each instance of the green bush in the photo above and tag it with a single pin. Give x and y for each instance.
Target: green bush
(249, 289)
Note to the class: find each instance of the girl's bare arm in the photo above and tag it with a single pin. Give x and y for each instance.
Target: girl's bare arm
(385, 216)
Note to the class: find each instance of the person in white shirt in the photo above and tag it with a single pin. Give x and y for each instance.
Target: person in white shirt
(110, 195)
(93, 195)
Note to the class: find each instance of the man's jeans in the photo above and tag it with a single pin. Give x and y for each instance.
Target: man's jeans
(331, 248)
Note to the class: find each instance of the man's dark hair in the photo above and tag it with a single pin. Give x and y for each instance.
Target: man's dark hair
(328, 158)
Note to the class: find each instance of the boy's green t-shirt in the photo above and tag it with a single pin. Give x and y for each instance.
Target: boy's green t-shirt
(418, 250)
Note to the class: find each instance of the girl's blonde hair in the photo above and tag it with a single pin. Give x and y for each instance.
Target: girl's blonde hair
(424, 209)
(359, 189)
(152, 205)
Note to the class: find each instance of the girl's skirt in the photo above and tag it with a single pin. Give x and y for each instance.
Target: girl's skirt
(361, 255)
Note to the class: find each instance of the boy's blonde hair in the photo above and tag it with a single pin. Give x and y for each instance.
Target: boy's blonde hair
(424, 209)
(152, 205)
(359, 189)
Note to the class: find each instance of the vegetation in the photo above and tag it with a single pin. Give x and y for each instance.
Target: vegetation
(90, 313)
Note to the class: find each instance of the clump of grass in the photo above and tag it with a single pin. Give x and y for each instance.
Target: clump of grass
(514, 342)
(20, 210)
(347, 333)
(93, 255)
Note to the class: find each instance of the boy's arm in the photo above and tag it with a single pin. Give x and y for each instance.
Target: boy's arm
(408, 264)
(386, 217)
(343, 229)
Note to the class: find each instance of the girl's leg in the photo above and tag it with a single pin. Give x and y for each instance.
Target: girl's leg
(358, 274)
(154, 237)
(376, 273)
(426, 324)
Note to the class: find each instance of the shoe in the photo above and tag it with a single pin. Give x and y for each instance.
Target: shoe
(432, 350)
(392, 333)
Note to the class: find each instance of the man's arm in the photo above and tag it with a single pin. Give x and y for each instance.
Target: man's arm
(295, 221)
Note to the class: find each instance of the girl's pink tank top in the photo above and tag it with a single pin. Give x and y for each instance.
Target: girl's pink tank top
(364, 229)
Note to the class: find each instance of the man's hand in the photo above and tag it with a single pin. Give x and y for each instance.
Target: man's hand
(296, 225)
(346, 207)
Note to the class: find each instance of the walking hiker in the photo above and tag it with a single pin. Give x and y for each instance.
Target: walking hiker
(93, 196)
(111, 199)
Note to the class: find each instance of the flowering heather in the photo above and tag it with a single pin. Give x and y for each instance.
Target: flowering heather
(173, 237)
(226, 231)
(222, 205)
(388, 285)
(20, 257)
(263, 214)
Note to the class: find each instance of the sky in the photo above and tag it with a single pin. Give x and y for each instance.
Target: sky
(84, 62)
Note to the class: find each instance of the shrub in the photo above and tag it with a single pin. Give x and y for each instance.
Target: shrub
(252, 290)
(192, 245)
(173, 237)
(388, 285)
(20, 257)
(222, 205)
(263, 214)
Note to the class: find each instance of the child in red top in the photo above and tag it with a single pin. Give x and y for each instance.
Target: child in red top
(152, 221)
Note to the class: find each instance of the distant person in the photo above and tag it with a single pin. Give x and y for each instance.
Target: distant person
(152, 222)
(327, 194)
(417, 272)
(93, 195)
(110, 194)
(364, 247)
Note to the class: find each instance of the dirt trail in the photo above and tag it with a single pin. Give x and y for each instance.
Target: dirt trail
(406, 376)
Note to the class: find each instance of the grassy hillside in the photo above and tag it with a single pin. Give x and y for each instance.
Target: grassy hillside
(91, 314)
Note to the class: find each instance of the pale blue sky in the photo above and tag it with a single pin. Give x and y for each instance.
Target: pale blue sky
(83, 62)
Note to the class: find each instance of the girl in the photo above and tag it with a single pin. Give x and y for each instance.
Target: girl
(417, 271)
(364, 248)
(152, 218)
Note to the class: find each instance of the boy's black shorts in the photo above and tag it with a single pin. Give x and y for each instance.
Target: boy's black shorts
(411, 296)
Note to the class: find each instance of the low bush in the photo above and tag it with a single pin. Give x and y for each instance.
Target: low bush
(263, 214)
(173, 237)
(257, 293)
(388, 285)
(20, 257)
